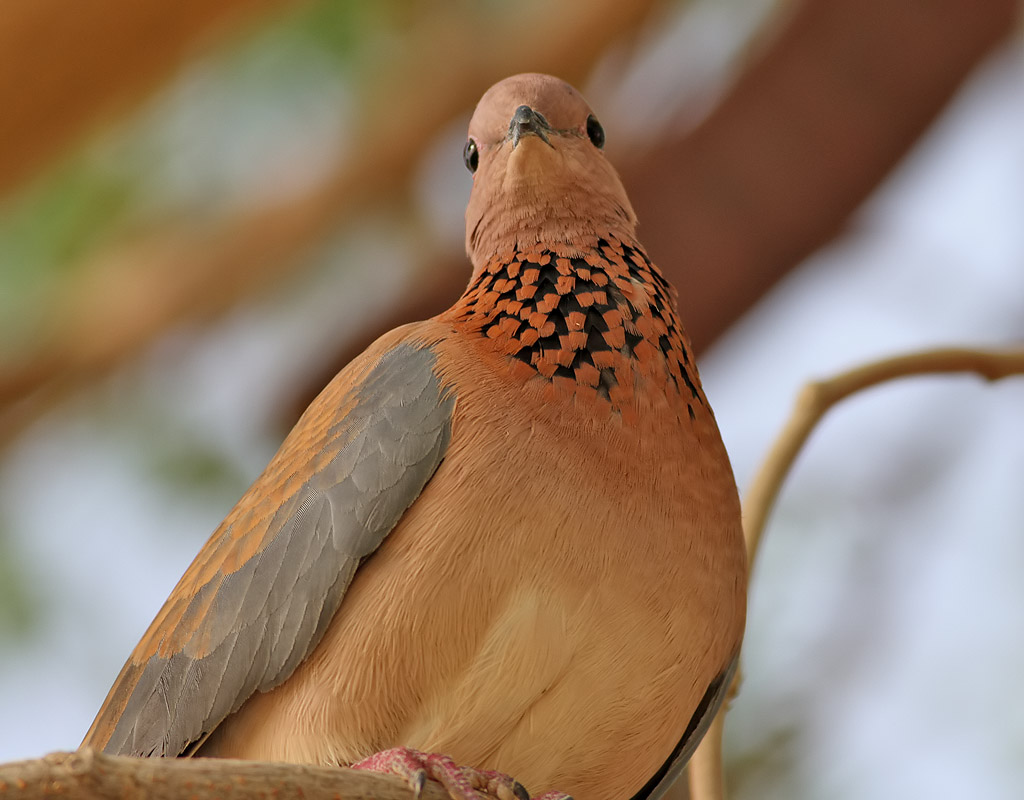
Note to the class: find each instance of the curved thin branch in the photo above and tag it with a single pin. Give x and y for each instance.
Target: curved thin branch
(816, 398)
(812, 403)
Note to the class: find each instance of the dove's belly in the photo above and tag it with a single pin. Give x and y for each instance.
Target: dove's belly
(507, 629)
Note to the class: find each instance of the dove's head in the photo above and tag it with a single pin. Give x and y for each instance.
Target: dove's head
(540, 176)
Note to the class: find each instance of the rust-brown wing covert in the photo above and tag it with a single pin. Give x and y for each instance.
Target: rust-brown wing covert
(261, 592)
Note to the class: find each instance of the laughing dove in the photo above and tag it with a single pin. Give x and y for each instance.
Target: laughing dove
(509, 534)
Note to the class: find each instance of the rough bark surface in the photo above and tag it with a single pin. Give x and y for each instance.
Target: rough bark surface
(88, 775)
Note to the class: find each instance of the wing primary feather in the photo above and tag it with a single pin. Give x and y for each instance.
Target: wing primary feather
(695, 730)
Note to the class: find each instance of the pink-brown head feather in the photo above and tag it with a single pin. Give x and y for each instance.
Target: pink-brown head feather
(559, 191)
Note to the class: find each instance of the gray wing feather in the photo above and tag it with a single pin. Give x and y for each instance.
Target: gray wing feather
(268, 615)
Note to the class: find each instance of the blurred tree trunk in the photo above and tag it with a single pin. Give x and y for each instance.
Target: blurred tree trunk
(805, 135)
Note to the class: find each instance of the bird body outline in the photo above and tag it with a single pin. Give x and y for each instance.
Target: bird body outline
(509, 533)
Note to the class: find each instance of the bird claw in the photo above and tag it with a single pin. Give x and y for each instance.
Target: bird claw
(461, 783)
(498, 784)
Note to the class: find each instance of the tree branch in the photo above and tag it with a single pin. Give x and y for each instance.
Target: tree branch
(816, 398)
(89, 775)
(812, 403)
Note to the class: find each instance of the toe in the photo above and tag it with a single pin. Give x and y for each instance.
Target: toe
(498, 784)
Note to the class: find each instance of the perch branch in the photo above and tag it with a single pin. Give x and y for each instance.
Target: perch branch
(88, 775)
(812, 403)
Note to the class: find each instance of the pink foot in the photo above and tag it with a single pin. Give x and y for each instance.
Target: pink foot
(461, 783)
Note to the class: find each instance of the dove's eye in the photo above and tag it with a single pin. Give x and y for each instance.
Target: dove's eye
(595, 132)
(471, 156)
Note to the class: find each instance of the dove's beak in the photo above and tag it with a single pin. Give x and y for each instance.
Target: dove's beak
(525, 122)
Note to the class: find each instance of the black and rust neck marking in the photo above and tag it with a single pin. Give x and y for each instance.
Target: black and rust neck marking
(602, 320)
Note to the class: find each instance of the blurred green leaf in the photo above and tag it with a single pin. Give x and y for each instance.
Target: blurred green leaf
(341, 28)
(58, 220)
(193, 466)
(48, 228)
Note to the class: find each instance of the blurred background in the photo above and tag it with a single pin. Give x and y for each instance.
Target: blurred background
(208, 206)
